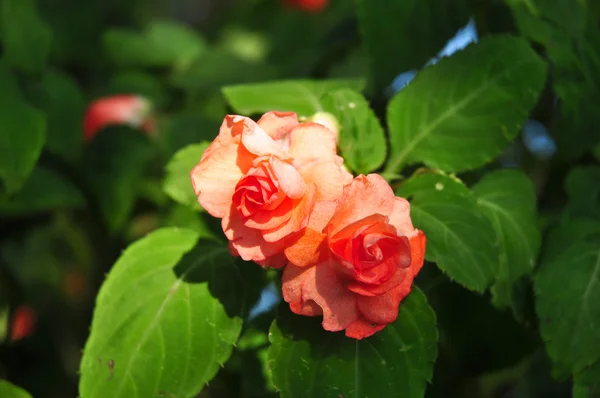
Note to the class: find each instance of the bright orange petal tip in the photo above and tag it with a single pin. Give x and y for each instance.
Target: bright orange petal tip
(127, 109)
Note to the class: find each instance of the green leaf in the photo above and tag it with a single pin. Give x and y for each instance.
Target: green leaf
(567, 288)
(8, 390)
(22, 131)
(26, 38)
(587, 383)
(178, 184)
(140, 83)
(463, 111)
(163, 43)
(61, 98)
(217, 68)
(459, 238)
(154, 331)
(44, 190)
(113, 179)
(187, 128)
(584, 193)
(362, 140)
(433, 22)
(307, 361)
(507, 198)
(300, 96)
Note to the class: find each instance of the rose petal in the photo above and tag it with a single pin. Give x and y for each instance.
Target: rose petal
(278, 124)
(299, 217)
(306, 248)
(362, 328)
(215, 177)
(269, 219)
(400, 218)
(248, 242)
(417, 247)
(384, 308)
(277, 261)
(321, 284)
(363, 197)
(329, 177)
(289, 179)
(258, 142)
(291, 288)
(311, 141)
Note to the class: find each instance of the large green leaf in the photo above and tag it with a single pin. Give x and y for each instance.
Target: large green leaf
(587, 383)
(388, 25)
(157, 328)
(307, 361)
(163, 43)
(460, 239)
(567, 288)
(570, 35)
(178, 184)
(584, 193)
(463, 111)
(362, 140)
(114, 163)
(26, 38)
(507, 198)
(8, 390)
(22, 131)
(61, 98)
(300, 96)
(44, 190)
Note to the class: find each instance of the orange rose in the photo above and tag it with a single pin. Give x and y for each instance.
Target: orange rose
(263, 179)
(356, 260)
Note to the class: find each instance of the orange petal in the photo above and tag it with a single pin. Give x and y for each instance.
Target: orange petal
(321, 214)
(269, 219)
(289, 179)
(417, 248)
(298, 220)
(384, 308)
(278, 124)
(362, 328)
(311, 141)
(328, 176)
(322, 285)
(215, 177)
(248, 242)
(400, 218)
(258, 142)
(364, 196)
(306, 248)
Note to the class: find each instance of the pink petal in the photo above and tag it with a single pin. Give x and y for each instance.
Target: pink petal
(258, 142)
(400, 218)
(322, 285)
(298, 219)
(384, 308)
(278, 124)
(288, 178)
(363, 197)
(329, 177)
(362, 328)
(311, 141)
(248, 242)
(215, 177)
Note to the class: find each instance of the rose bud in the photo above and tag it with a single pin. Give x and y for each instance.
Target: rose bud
(23, 323)
(130, 110)
(356, 260)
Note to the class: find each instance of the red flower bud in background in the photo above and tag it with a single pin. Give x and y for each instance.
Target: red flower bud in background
(308, 5)
(131, 110)
(23, 323)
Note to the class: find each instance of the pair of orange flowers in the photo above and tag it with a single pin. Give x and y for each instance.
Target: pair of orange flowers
(348, 245)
